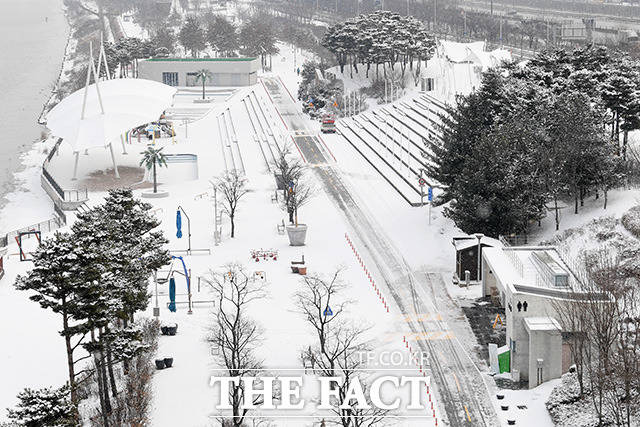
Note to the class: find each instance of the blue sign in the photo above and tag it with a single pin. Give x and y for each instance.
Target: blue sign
(328, 312)
(430, 194)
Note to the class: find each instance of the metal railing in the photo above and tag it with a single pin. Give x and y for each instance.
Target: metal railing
(52, 182)
(43, 226)
(65, 195)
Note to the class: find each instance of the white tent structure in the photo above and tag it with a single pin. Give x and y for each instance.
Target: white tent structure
(102, 112)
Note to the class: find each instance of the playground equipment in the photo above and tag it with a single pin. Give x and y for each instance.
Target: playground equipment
(189, 251)
(172, 283)
(265, 255)
(23, 256)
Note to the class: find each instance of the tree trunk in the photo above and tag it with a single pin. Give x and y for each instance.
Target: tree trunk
(605, 197)
(112, 378)
(103, 406)
(70, 366)
(155, 184)
(576, 207)
(555, 204)
(233, 225)
(103, 371)
(203, 88)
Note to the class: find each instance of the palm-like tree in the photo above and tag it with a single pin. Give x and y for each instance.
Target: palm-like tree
(150, 158)
(203, 75)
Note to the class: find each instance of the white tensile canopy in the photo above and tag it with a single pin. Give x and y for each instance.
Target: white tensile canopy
(99, 114)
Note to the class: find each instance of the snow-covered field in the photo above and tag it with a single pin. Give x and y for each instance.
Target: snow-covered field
(182, 394)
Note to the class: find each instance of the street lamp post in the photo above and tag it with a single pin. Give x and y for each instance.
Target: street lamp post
(479, 236)
(156, 309)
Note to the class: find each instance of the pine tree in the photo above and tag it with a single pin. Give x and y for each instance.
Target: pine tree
(192, 36)
(44, 407)
(57, 278)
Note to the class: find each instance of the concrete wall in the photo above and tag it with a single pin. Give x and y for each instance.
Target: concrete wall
(224, 71)
(546, 346)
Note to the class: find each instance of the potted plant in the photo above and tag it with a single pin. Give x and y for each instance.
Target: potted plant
(168, 362)
(296, 192)
(160, 364)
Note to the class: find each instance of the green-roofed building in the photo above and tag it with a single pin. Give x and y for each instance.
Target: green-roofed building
(226, 72)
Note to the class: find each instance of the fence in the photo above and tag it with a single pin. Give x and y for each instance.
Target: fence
(43, 226)
(65, 195)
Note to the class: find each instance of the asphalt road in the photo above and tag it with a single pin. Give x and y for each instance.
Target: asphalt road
(461, 389)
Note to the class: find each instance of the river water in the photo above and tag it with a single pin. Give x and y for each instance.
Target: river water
(33, 36)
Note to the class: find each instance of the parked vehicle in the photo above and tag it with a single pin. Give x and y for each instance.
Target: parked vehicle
(328, 124)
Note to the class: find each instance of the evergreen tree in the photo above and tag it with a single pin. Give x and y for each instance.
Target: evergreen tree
(44, 407)
(462, 127)
(192, 36)
(164, 37)
(500, 190)
(57, 278)
(222, 36)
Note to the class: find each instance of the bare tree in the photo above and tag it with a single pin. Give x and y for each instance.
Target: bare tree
(339, 347)
(572, 316)
(235, 335)
(296, 191)
(232, 185)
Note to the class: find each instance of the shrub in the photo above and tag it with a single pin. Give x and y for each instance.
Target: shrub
(631, 221)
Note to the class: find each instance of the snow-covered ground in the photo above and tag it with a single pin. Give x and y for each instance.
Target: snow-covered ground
(182, 395)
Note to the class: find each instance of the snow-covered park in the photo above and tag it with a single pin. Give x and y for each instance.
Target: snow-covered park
(368, 294)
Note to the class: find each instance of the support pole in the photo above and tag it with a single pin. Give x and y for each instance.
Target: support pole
(124, 149)
(75, 166)
(113, 159)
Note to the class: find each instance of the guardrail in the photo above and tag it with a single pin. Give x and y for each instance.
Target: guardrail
(72, 196)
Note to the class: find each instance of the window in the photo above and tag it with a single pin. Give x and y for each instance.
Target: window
(192, 80)
(512, 345)
(170, 79)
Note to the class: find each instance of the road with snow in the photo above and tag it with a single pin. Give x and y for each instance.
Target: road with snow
(461, 388)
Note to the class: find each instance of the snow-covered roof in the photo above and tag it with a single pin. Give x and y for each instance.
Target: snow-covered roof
(473, 53)
(461, 52)
(127, 103)
(542, 324)
(464, 242)
(515, 266)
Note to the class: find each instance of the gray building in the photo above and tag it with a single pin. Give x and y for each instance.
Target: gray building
(183, 71)
(526, 280)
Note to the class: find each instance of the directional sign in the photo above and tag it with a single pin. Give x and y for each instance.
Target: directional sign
(328, 312)
(430, 194)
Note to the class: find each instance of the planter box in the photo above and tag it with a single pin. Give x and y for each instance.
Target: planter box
(297, 235)
(151, 195)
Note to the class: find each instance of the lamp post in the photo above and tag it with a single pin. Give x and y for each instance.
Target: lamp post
(479, 236)
(156, 309)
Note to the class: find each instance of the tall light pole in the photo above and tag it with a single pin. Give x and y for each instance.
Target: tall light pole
(435, 14)
(479, 236)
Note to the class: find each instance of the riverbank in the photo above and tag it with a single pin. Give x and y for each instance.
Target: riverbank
(22, 200)
(33, 38)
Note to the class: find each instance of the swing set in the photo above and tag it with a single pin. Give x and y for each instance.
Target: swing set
(22, 253)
